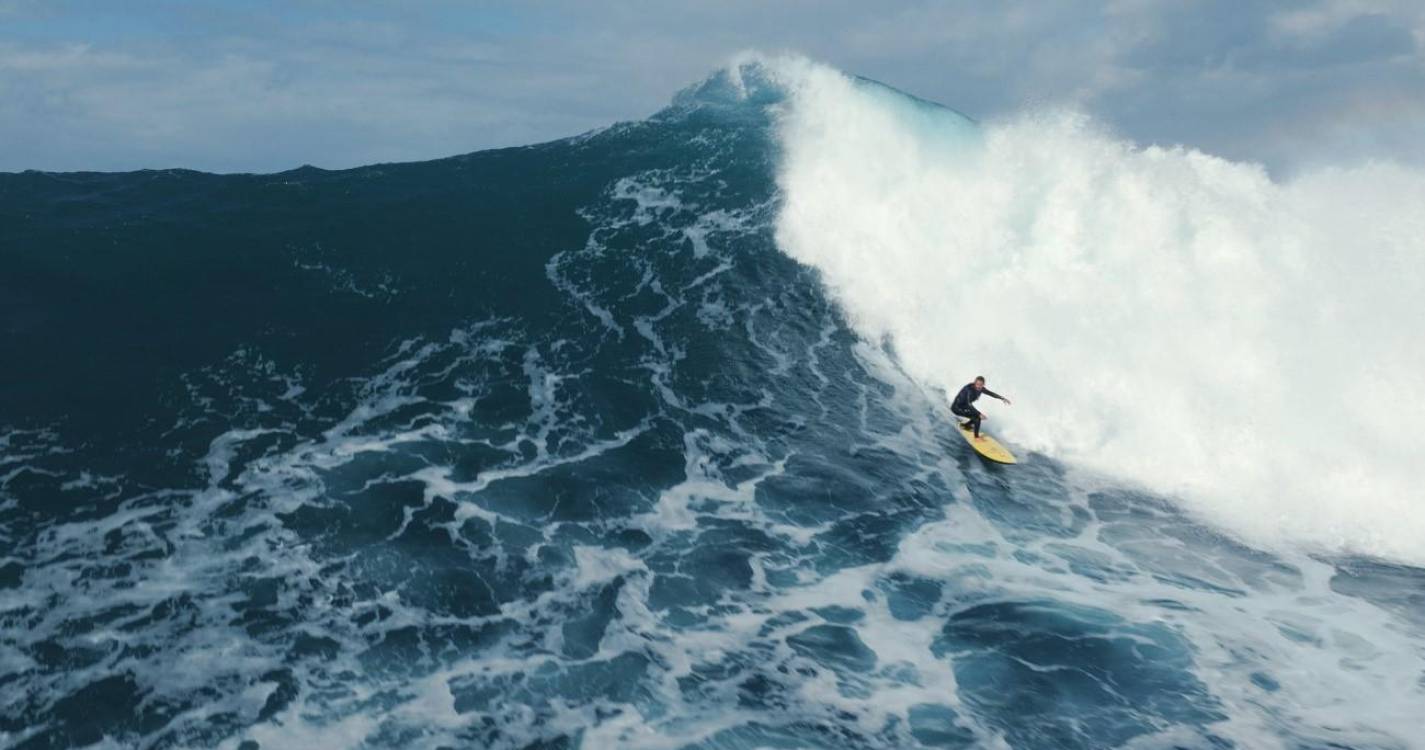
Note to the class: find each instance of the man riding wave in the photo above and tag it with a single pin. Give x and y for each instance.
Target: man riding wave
(961, 406)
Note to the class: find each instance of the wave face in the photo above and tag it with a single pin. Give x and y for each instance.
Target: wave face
(636, 440)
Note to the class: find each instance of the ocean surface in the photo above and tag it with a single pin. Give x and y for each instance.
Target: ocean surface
(639, 439)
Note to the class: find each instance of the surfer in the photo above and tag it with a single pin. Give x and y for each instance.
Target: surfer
(961, 406)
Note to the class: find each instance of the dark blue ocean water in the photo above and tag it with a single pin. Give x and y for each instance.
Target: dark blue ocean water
(552, 447)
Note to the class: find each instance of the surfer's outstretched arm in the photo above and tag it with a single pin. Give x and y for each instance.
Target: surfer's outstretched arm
(989, 392)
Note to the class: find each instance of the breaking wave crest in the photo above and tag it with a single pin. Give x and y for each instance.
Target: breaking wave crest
(1160, 314)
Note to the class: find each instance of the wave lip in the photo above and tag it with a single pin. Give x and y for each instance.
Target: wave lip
(1163, 316)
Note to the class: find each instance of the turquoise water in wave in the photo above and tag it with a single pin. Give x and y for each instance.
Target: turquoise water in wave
(552, 447)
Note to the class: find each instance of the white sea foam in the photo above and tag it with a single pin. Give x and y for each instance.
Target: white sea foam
(1160, 315)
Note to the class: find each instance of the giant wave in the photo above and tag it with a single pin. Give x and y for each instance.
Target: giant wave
(569, 445)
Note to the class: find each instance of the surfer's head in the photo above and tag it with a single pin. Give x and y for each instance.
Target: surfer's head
(979, 382)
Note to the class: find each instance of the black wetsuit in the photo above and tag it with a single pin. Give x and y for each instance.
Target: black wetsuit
(962, 405)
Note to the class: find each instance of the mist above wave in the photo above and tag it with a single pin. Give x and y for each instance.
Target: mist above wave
(1160, 315)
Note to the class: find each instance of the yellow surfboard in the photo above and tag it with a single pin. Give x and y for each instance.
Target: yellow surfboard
(988, 447)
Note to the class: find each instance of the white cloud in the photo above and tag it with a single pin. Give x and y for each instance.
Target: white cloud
(264, 91)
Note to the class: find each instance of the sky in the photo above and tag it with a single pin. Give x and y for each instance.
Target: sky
(268, 85)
